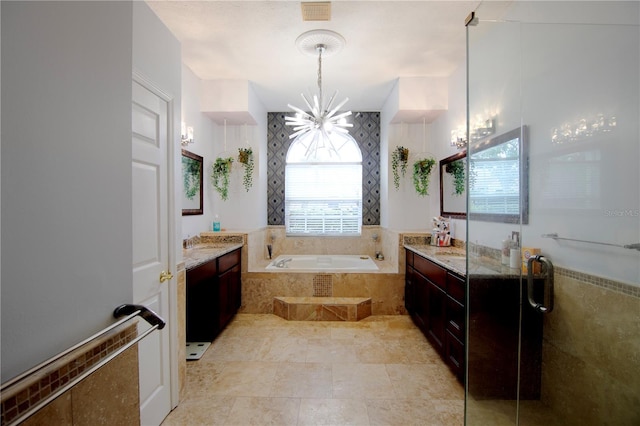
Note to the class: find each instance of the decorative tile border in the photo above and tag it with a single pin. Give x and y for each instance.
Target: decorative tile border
(25, 394)
(620, 287)
(484, 251)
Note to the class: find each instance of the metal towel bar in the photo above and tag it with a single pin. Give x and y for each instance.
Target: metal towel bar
(129, 312)
(626, 246)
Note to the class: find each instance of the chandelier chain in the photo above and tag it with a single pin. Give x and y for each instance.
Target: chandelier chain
(320, 75)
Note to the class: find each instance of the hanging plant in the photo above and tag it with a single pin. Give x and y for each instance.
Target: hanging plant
(220, 171)
(245, 157)
(421, 171)
(399, 157)
(456, 169)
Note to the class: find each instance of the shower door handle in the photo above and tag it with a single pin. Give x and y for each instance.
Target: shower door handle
(547, 305)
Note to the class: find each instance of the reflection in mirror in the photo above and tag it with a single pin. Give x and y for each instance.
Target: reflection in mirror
(453, 195)
(192, 183)
(498, 178)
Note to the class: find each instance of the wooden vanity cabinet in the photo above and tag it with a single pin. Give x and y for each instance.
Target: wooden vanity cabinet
(201, 297)
(435, 299)
(213, 296)
(228, 287)
(455, 324)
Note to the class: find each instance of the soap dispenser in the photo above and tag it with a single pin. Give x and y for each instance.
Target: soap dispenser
(514, 253)
(506, 250)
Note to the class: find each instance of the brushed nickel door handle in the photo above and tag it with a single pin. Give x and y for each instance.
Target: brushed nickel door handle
(547, 305)
(165, 276)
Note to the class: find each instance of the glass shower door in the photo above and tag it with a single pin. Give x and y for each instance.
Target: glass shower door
(554, 145)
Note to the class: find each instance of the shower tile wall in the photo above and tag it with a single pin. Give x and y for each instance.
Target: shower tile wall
(591, 351)
(366, 131)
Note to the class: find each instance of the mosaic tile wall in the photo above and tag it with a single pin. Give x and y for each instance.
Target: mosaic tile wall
(365, 130)
(24, 396)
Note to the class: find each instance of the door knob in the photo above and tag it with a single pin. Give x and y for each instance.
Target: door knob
(165, 276)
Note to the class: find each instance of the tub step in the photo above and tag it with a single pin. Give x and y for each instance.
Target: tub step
(322, 308)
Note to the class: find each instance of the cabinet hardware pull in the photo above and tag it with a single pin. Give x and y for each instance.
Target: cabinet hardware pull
(165, 276)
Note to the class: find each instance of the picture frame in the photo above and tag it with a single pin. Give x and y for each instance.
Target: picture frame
(191, 184)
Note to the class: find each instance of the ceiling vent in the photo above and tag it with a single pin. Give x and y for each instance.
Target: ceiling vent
(316, 11)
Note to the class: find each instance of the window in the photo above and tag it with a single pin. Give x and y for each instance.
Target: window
(323, 194)
(494, 180)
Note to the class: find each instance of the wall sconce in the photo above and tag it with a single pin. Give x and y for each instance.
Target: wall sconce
(186, 134)
(459, 138)
(481, 129)
(583, 129)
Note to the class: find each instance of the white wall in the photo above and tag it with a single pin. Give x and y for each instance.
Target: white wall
(66, 183)
(403, 209)
(409, 211)
(243, 210)
(204, 130)
(523, 72)
(66, 162)
(440, 134)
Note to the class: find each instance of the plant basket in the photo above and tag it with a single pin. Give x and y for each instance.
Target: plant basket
(399, 159)
(421, 172)
(245, 157)
(220, 171)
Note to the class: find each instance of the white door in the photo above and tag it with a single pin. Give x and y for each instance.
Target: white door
(150, 131)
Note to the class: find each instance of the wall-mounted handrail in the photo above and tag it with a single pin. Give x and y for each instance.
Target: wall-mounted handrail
(129, 312)
(555, 236)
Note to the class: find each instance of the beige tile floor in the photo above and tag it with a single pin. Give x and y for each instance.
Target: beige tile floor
(264, 370)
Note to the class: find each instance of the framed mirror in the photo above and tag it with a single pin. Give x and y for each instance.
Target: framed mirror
(453, 195)
(191, 183)
(499, 178)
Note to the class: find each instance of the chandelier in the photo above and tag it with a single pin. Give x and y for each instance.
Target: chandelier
(316, 128)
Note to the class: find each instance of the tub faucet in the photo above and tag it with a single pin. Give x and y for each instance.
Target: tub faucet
(282, 263)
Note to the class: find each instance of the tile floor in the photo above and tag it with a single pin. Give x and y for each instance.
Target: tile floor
(264, 370)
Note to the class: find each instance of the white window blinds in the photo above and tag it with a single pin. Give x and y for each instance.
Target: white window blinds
(323, 199)
(494, 186)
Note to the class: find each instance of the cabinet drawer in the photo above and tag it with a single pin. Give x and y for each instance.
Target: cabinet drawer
(430, 270)
(228, 261)
(455, 355)
(409, 256)
(456, 287)
(203, 272)
(455, 318)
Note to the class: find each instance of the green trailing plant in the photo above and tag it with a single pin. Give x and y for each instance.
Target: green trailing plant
(421, 171)
(220, 171)
(399, 158)
(456, 169)
(190, 177)
(245, 157)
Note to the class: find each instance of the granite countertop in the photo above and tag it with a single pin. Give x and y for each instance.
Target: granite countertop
(202, 253)
(454, 259)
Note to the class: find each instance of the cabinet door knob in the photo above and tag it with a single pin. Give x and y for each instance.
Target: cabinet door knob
(165, 276)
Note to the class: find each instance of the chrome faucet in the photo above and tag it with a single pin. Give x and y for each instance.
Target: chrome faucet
(282, 263)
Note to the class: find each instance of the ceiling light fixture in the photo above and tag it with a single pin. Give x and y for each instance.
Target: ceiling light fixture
(317, 125)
